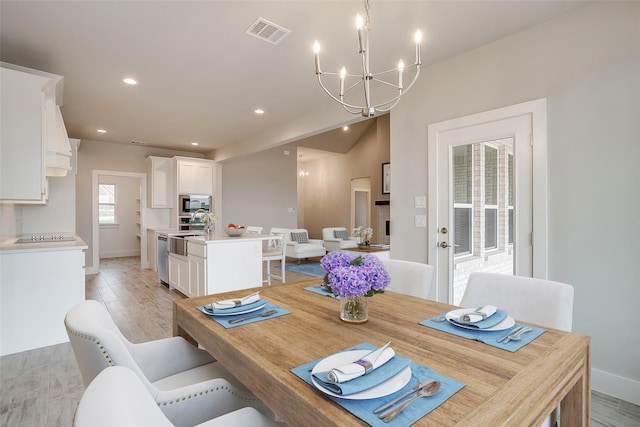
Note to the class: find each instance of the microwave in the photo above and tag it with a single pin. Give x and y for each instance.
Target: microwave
(189, 203)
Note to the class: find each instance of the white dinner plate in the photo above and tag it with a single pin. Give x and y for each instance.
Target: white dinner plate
(237, 312)
(455, 314)
(392, 385)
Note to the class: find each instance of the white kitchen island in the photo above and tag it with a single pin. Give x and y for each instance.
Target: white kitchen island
(219, 263)
(39, 283)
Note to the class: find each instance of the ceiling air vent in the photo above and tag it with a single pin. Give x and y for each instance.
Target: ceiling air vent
(267, 31)
(138, 143)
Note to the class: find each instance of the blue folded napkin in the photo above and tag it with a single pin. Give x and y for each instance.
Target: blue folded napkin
(363, 409)
(488, 337)
(239, 309)
(320, 290)
(489, 322)
(224, 320)
(364, 382)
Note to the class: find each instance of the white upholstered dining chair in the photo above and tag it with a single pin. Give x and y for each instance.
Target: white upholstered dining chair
(542, 302)
(253, 229)
(409, 277)
(187, 384)
(117, 397)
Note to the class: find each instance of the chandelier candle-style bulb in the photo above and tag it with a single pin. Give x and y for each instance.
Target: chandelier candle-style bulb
(316, 53)
(400, 70)
(343, 74)
(418, 40)
(359, 25)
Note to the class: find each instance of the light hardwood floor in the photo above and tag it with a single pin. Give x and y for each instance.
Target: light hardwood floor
(42, 387)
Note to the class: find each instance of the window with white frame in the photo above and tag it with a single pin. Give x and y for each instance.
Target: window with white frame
(510, 198)
(490, 197)
(107, 204)
(463, 199)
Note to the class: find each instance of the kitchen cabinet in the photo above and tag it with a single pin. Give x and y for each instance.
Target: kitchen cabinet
(160, 182)
(179, 273)
(197, 275)
(39, 284)
(195, 176)
(22, 149)
(220, 263)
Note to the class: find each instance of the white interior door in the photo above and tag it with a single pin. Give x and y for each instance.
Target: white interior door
(481, 191)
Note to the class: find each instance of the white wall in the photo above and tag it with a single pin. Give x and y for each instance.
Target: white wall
(98, 155)
(587, 65)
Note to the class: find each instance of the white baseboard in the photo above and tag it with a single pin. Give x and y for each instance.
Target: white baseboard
(616, 386)
(119, 254)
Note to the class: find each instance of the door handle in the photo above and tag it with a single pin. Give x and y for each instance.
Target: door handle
(445, 245)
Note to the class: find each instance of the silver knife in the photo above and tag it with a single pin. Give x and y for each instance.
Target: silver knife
(404, 396)
(242, 319)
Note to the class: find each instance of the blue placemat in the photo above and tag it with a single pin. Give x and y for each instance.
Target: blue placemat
(318, 289)
(363, 409)
(224, 320)
(487, 337)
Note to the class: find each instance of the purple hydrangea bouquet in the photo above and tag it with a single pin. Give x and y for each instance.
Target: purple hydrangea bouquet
(353, 278)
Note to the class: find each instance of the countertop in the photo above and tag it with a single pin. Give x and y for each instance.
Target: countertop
(8, 245)
(221, 237)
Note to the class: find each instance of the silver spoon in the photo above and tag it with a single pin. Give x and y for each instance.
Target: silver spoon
(429, 390)
(517, 336)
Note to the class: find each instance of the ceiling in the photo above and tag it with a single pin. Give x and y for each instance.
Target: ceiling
(200, 77)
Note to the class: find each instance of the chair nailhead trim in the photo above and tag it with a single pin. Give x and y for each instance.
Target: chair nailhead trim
(94, 340)
(219, 388)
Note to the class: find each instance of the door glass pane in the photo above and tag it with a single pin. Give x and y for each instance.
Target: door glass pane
(482, 210)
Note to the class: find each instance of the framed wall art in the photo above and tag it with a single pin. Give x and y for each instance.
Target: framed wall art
(386, 178)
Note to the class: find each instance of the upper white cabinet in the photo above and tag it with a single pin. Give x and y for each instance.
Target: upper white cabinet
(34, 143)
(22, 150)
(195, 176)
(160, 183)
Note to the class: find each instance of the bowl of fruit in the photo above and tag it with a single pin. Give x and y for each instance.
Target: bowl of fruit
(235, 230)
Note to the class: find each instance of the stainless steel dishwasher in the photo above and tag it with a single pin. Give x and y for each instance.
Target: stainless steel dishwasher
(163, 259)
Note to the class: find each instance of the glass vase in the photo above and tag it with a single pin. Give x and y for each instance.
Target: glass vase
(354, 309)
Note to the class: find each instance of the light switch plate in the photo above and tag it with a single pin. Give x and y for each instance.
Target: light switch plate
(420, 202)
(421, 220)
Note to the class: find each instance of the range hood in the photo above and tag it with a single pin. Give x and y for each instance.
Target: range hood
(57, 146)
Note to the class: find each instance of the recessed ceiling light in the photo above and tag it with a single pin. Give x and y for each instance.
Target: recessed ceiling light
(346, 128)
(194, 143)
(259, 111)
(102, 131)
(130, 81)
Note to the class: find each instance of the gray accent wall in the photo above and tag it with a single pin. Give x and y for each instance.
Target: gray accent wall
(587, 65)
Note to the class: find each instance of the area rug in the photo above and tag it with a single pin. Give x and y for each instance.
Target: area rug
(313, 269)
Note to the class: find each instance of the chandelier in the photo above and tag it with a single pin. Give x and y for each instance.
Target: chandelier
(368, 110)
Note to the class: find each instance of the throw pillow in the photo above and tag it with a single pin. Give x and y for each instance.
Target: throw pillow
(300, 237)
(340, 234)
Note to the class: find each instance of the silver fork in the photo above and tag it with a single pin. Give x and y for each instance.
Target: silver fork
(517, 335)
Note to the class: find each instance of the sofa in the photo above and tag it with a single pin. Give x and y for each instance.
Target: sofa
(298, 245)
(337, 239)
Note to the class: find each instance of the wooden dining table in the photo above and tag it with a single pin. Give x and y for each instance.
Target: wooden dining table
(501, 388)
